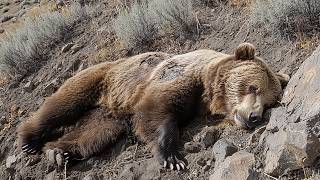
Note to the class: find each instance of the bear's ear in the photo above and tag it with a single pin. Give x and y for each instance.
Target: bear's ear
(283, 78)
(245, 51)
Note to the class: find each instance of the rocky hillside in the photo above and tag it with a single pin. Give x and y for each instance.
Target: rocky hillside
(43, 43)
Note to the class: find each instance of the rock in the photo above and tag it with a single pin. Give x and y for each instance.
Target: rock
(203, 161)
(76, 48)
(239, 166)
(21, 13)
(14, 19)
(10, 162)
(1, 31)
(208, 136)
(254, 137)
(67, 47)
(50, 88)
(90, 177)
(205, 168)
(192, 147)
(32, 161)
(51, 175)
(6, 9)
(291, 139)
(28, 87)
(25, 2)
(129, 172)
(18, 177)
(222, 149)
(6, 18)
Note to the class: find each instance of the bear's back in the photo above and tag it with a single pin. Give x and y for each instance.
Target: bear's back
(130, 76)
(126, 75)
(185, 64)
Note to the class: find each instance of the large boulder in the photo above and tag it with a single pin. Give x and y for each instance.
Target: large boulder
(239, 166)
(291, 140)
(222, 149)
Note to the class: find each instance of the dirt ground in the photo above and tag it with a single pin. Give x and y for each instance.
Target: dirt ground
(222, 28)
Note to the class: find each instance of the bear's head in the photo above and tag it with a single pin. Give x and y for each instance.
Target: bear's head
(247, 86)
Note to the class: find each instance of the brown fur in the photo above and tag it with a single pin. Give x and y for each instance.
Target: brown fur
(159, 91)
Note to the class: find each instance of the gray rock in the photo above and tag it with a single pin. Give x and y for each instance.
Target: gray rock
(291, 139)
(67, 47)
(5, 9)
(11, 161)
(51, 87)
(51, 175)
(1, 31)
(28, 87)
(25, 2)
(21, 13)
(192, 147)
(76, 48)
(90, 177)
(239, 166)
(254, 137)
(222, 149)
(208, 136)
(6, 18)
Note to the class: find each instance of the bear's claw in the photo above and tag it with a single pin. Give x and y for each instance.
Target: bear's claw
(174, 163)
(57, 156)
(29, 149)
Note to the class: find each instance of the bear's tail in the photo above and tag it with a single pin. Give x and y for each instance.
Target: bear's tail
(77, 95)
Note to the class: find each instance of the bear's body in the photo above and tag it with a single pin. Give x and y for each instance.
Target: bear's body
(156, 92)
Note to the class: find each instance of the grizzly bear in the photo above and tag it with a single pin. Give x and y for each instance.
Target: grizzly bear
(156, 93)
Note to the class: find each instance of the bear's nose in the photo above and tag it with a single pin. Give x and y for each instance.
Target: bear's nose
(254, 117)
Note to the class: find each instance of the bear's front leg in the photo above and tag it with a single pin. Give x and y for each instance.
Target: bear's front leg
(165, 147)
(157, 124)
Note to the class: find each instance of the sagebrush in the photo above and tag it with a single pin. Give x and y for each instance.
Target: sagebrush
(135, 27)
(290, 17)
(140, 24)
(22, 52)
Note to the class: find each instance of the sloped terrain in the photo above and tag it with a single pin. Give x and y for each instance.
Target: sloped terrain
(222, 27)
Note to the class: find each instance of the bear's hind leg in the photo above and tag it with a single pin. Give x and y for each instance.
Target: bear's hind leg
(76, 96)
(90, 138)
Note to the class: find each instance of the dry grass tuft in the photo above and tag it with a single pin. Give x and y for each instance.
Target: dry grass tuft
(135, 27)
(288, 17)
(24, 51)
(139, 25)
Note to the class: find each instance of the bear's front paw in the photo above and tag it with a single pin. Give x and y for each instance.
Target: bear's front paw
(172, 162)
(57, 156)
(31, 148)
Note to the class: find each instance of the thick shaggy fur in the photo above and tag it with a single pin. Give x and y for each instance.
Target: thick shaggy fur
(158, 91)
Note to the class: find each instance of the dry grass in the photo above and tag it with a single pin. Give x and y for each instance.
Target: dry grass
(145, 21)
(135, 27)
(288, 17)
(24, 50)
(177, 14)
